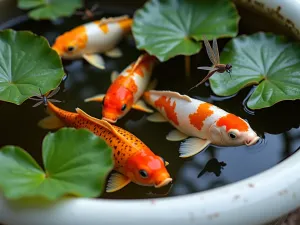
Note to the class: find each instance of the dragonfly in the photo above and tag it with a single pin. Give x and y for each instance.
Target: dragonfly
(44, 98)
(213, 54)
(89, 13)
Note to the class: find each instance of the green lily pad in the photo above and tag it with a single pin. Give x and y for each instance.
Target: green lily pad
(27, 63)
(167, 28)
(50, 9)
(76, 162)
(265, 60)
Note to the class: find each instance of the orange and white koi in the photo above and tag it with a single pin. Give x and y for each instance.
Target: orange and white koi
(134, 161)
(126, 89)
(203, 122)
(87, 40)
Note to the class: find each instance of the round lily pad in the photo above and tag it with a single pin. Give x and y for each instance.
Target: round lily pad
(167, 28)
(269, 62)
(50, 9)
(27, 64)
(76, 163)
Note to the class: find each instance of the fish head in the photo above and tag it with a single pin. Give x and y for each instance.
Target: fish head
(148, 170)
(71, 44)
(231, 130)
(116, 104)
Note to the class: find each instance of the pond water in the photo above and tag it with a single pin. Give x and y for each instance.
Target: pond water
(278, 125)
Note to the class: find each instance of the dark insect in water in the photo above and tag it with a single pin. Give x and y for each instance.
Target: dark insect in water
(40, 98)
(89, 13)
(213, 166)
(213, 54)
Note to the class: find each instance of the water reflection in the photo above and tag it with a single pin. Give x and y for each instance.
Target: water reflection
(212, 166)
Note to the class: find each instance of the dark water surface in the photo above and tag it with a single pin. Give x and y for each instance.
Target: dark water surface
(278, 125)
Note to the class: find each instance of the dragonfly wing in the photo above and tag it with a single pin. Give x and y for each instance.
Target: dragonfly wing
(210, 52)
(216, 50)
(205, 68)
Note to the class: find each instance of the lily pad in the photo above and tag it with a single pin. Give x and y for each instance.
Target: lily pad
(265, 60)
(27, 63)
(76, 162)
(167, 28)
(50, 9)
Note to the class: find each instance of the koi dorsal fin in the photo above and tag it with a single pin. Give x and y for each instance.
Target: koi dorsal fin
(138, 61)
(102, 123)
(112, 19)
(171, 94)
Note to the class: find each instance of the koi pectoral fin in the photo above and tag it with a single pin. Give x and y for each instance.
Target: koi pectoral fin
(114, 53)
(96, 98)
(192, 146)
(95, 60)
(116, 182)
(176, 135)
(114, 75)
(51, 122)
(157, 117)
(141, 105)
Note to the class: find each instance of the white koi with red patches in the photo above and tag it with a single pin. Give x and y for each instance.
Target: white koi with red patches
(204, 122)
(92, 38)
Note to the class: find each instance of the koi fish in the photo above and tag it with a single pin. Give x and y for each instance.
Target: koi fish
(203, 122)
(87, 40)
(134, 161)
(126, 89)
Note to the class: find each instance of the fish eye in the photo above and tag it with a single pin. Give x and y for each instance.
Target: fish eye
(232, 135)
(70, 49)
(143, 173)
(123, 107)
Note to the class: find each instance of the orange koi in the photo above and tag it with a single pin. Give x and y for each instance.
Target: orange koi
(126, 89)
(94, 37)
(203, 122)
(134, 161)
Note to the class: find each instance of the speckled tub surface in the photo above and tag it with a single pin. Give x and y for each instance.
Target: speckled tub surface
(256, 200)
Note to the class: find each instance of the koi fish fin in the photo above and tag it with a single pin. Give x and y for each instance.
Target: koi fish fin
(170, 94)
(105, 20)
(114, 53)
(95, 60)
(116, 182)
(157, 117)
(192, 146)
(102, 123)
(114, 75)
(166, 163)
(176, 135)
(51, 122)
(96, 98)
(152, 85)
(141, 105)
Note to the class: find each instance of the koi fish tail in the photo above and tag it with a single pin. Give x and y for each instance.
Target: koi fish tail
(51, 122)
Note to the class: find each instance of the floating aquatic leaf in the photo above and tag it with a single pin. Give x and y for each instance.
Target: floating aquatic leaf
(27, 63)
(166, 28)
(265, 60)
(50, 9)
(76, 162)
